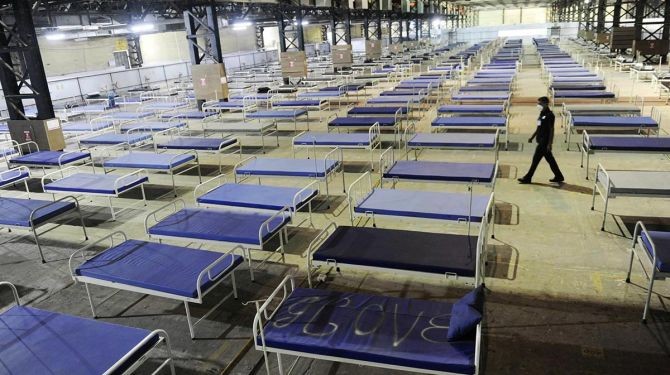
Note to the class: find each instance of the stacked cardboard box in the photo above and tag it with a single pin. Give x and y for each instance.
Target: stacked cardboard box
(373, 49)
(210, 82)
(293, 64)
(622, 38)
(342, 56)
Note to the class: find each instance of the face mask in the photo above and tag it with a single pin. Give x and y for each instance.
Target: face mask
(540, 107)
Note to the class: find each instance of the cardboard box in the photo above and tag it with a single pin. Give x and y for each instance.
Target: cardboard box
(602, 38)
(293, 64)
(373, 49)
(622, 38)
(209, 81)
(342, 56)
(651, 47)
(48, 134)
(395, 48)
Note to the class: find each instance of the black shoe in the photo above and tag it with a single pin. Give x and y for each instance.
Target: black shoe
(557, 179)
(523, 180)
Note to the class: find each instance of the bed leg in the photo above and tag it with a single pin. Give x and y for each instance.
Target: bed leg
(251, 268)
(90, 301)
(144, 196)
(232, 281)
(174, 187)
(111, 208)
(648, 300)
(630, 263)
(188, 320)
(39, 246)
(280, 366)
(602, 228)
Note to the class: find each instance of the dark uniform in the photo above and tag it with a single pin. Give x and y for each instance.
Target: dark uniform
(545, 127)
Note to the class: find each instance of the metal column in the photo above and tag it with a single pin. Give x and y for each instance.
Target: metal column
(21, 66)
(202, 34)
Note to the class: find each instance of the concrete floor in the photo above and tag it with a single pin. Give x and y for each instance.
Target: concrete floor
(556, 300)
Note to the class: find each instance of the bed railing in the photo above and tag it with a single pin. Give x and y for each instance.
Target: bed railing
(358, 191)
(171, 208)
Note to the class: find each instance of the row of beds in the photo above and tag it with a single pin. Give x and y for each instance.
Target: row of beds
(437, 337)
(652, 248)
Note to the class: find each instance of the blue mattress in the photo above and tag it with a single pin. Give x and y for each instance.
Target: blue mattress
(321, 94)
(403, 93)
(115, 139)
(641, 144)
(251, 96)
(152, 126)
(190, 115)
(485, 88)
(148, 160)
(480, 96)
(12, 175)
(130, 115)
(437, 253)
(231, 226)
(159, 267)
(49, 158)
(288, 167)
(662, 242)
(423, 204)
(199, 144)
(397, 99)
(471, 108)
(85, 126)
(615, 121)
(94, 183)
(578, 86)
(346, 88)
(332, 139)
(377, 110)
(160, 106)
(256, 196)
(362, 121)
(298, 103)
(278, 114)
(470, 121)
(454, 140)
(36, 341)
(16, 211)
(329, 324)
(234, 104)
(597, 94)
(441, 171)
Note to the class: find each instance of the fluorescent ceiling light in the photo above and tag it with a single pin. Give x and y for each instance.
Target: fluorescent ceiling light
(55, 36)
(241, 25)
(142, 27)
(304, 23)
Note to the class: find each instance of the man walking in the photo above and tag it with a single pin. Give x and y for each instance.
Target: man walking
(544, 134)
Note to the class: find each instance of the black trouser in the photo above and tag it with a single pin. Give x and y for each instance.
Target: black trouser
(542, 151)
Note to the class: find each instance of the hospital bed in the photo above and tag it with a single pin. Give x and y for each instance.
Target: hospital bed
(173, 139)
(277, 115)
(178, 273)
(255, 197)
(34, 158)
(72, 180)
(152, 126)
(395, 171)
(592, 144)
(497, 123)
(618, 109)
(481, 97)
(629, 183)
(601, 95)
(260, 129)
(187, 115)
(335, 335)
(129, 140)
(11, 177)
(172, 164)
(321, 170)
(32, 214)
(473, 109)
(37, 341)
(122, 116)
(245, 106)
(359, 140)
(366, 201)
(448, 141)
(249, 230)
(652, 249)
(612, 123)
(83, 127)
(436, 255)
